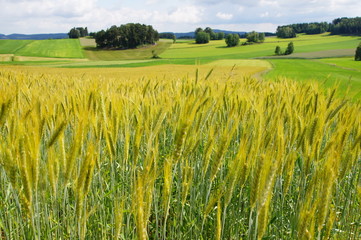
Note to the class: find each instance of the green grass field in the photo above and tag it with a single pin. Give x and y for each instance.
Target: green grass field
(347, 63)
(59, 48)
(12, 46)
(320, 71)
(218, 49)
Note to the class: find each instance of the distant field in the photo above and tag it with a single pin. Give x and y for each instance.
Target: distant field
(59, 48)
(222, 71)
(303, 44)
(347, 63)
(87, 42)
(317, 54)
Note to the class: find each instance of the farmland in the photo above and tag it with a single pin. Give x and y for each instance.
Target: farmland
(90, 153)
(206, 142)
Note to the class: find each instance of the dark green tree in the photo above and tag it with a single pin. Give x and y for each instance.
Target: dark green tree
(346, 26)
(220, 36)
(255, 37)
(174, 38)
(212, 35)
(167, 35)
(290, 48)
(358, 53)
(285, 32)
(261, 37)
(202, 37)
(74, 33)
(126, 36)
(232, 40)
(198, 30)
(82, 31)
(252, 37)
(100, 39)
(278, 51)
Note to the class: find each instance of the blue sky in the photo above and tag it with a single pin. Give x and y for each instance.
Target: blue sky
(52, 16)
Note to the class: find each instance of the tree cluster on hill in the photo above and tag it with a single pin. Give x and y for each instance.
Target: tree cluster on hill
(185, 37)
(78, 32)
(203, 36)
(126, 36)
(346, 26)
(310, 28)
(232, 40)
(255, 37)
(285, 32)
(289, 50)
(166, 35)
(338, 26)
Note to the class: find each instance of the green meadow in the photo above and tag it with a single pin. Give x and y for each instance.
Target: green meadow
(60, 48)
(349, 80)
(303, 44)
(145, 52)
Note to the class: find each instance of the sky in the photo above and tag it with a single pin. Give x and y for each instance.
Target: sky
(59, 16)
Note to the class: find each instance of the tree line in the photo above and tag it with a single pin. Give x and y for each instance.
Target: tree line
(126, 36)
(78, 32)
(207, 34)
(346, 26)
(338, 26)
(232, 39)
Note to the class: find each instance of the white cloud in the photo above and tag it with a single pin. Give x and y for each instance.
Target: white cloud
(151, 2)
(241, 9)
(267, 3)
(224, 16)
(265, 14)
(187, 14)
(260, 27)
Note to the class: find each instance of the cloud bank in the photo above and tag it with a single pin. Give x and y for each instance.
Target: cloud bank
(50, 16)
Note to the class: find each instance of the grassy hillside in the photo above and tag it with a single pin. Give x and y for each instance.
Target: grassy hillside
(62, 48)
(319, 71)
(59, 48)
(12, 46)
(92, 53)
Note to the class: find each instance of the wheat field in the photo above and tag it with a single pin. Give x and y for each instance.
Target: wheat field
(195, 157)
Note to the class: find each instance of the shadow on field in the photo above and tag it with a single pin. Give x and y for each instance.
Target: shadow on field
(91, 49)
